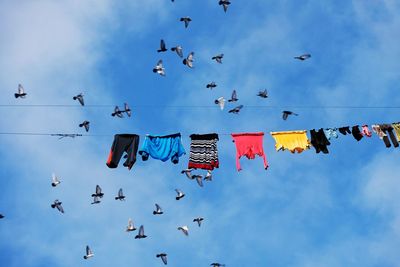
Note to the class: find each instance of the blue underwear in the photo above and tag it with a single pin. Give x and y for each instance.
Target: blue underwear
(162, 147)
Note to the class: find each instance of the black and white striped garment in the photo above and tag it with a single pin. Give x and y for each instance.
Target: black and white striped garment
(203, 151)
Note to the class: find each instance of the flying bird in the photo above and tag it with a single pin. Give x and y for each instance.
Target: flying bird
(187, 20)
(236, 110)
(120, 195)
(189, 60)
(159, 68)
(98, 192)
(141, 233)
(163, 257)
(221, 102)
(233, 97)
(208, 176)
(225, 4)
(1, 216)
(199, 179)
(89, 253)
(96, 200)
(198, 220)
(211, 85)
(55, 180)
(179, 193)
(21, 92)
(217, 264)
(79, 98)
(130, 226)
(117, 112)
(286, 113)
(303, 57)
(158, 210)
(263, 94)
(162, 47)
(184, 230)
(178, 49)
(57, 204)
(188, 173)
(218, 58)
(85, 124)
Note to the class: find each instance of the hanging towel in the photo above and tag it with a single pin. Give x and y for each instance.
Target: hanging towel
(162, 147)
(249, 145)
(294, 141)
(203, 151)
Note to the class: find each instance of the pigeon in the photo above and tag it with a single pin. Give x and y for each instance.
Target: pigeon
(163, 257)
(117, 112)
(199, 179)
(85, 124)
(80, 99)
(120, 195)
(57, 204)
(198, 220)
(189, 60)
(89, 253)
(130, 226)
(1, 216)
(186, 20)
(225, 4)
(158, 210)
(55, 180)
(96, 200)
(127, 110)
(303, 57)
(286, 113)
(178, 50)
(236, 109)
(221, 102)
(141, 233)
(218, 58)
(159, 68)
(180, 194)
(211, 85)
(233, 97)
(188, 173)
(263, 94)
(217, 265)
(98, 192)
(21, 93)
(208, 176)
(184, 230)
(162, 47)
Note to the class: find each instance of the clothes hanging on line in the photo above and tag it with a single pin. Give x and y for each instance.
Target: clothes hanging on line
(319, 141)
(294, 141)
(203, 151)
(345, 130)
(249, 145)
(388, 130)
(331, 133)
(365, 131)
(127, 143)
(355, 131)
(162, 147)
(396, 127)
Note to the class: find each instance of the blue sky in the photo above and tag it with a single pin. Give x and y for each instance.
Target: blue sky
(306, 210)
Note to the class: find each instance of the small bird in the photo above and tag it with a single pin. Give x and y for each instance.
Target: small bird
(162, 47)
(130, 226)
(186, 20)
(180, 194)
(221, 102)
(188, 173)
(263, 94)
(184, 229)
(80, 99)
(225, 4)
(178, 49)
(159, 68)
(1, 216)
(21, 92)
(57, 204)
(120, 195)
(217, 265)
(286, 113)
(198, 220)
(141, 233)
(218, 58)
(163, 257)
(236, 109)
(211, 85)
(303, 57)
(158, 210)
(86, 125)
(89, 253)
(117, 112)
(189, 60)
(55, 180)
(208, 176)
(96, 200)
(233, 97)
(98, 192)
(199, 179)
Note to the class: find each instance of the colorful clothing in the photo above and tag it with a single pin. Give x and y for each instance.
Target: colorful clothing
(249, 145)
(365, 131)
(291, 140)
(396, 127)
(162, 147)
(127, 143)
(203, 151)
(331, 133)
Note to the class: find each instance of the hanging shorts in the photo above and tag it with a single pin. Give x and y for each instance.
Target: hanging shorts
(162, 148)
(128, 143)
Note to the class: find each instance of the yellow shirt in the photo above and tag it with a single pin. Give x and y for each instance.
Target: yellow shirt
(291, 140)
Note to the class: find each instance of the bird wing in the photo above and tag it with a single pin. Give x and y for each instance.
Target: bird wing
(234, 95)
(60, 208)
(164, 259)
(88, 250)
(199, 180)
(162, 44)
(20, 89)
(130, 223)
(284, 116)
(159, 64)
(120, 194)
(158, 208)
(80, 99)
(127, 109)
(190, 56)
(179, 51)
(98, 190)
(141, 230)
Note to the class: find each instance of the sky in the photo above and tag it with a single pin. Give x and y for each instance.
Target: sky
(306, 210)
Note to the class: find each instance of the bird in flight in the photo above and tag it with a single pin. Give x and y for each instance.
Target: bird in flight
(187, 20)
(286, 113)
(158, 210)
(236, 110)
(303, 57)
(119, 113)
(199, 179)
(98, 192)
(120, 195)
(57, 204)
(79, 97)
(233, 97)
(179, 193)
(198, 220)
(189, 60)
(178, 49)
(163, 257)
(188, 173)
(130, 226)
(221, 102)
(216, 264)
(211, 85)
(141, 233)
(85, 124)
(218, 58)
(184, 229)
(225, 4)
(21, 92)
(55, 180)
(89, 253)
(1, 216)
(162, 47)
(159, 68)
(263, 94)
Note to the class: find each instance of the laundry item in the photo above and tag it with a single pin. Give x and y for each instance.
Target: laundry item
(162, 147)
(203, 151)
(294, 141)
(249, 145)
(127, 143)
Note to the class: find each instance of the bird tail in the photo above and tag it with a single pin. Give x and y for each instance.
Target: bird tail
(16, 95)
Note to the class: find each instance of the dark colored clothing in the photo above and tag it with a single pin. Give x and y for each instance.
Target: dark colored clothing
(319, 141)
(203, 151)
(345, 130)
(128, 143)
(388, 130)
(356, 133)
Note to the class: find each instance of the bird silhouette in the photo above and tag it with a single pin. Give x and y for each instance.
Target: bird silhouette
(216, 264)
(159, 68)
(21, 92)
(218, 58)
(120, 195)
(189, 60)
(263, 94)
(303, 57)
(236, 110)
(163, 257)
(178, 49)
(158, 210)
(162, 46)
(187, 20)
(179, 193)
(1, 216)
(184, 229)
(98, 192)
(286, 113)
(233, 97)
(225, 4)
(141, 233)
(85, 124)
(130, 226)
(198, 220)
(79, 97)
(89, 253)
(188, 173)
(117, 112)
(211, 85)
(54, 180)
(221, 102)
(57, 204)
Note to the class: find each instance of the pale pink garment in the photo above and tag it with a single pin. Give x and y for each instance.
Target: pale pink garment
(249, 145)
(365, 131)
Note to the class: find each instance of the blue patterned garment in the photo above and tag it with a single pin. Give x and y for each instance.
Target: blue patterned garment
(331, 133)
(162, 147)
